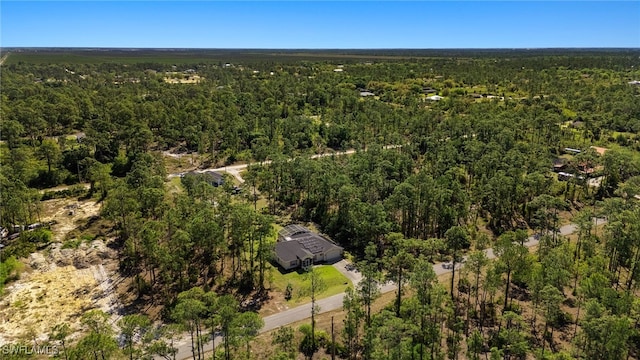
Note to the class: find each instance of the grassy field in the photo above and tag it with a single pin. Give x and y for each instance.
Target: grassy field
(188, 56)
(334, 281)
(174, 185)
(202, 56)
(115, 56)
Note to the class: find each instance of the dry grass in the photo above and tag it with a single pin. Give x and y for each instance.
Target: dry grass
(47, 294)
(183, 79)
(40, 300)
(70, 214)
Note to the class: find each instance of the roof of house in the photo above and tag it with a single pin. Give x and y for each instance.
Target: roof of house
(209, 176)
(292, 229)
(291, 250)
(214, 175)
(559, 162)
(299, 243)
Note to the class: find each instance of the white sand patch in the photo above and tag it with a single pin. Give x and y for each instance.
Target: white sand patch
(40, 300)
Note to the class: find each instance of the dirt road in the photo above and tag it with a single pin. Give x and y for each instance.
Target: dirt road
(235, 170)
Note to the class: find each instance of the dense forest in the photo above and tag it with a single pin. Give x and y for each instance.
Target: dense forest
(454, 154)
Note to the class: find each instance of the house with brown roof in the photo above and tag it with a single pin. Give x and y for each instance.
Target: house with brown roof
(299, 247)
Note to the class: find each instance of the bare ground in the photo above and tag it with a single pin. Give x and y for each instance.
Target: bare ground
(60, 284)
(69, 214)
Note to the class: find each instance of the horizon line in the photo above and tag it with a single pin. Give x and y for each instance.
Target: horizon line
(307, 49)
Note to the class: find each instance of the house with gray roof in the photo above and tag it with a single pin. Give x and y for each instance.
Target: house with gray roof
(211, 177)
(298, 246)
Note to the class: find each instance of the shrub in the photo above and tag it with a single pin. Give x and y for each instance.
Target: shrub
(72, 191)
(72, 244)
(288, 292)
(9, 270)
(37, 236)
(19, 249)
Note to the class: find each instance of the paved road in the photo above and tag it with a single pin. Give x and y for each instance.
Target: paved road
(531, 241)
(334, 302)
(298, 313)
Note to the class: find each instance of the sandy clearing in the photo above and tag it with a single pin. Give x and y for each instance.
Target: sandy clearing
(193, 79)
(59, 284)
(40, 300)
(49, 294)
(68, 213)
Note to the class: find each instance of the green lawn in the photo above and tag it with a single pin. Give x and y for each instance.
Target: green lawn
(334, 281)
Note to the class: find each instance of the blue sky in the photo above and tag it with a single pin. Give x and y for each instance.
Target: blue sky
(325, 24)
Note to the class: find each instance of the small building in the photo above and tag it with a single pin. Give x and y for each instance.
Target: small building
(299, 247)
(559, 164)
(211, 177)
(366, 93)
(572, 151)
(563, 176)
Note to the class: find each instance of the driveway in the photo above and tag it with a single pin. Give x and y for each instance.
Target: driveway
(347, 269)
(335, 302)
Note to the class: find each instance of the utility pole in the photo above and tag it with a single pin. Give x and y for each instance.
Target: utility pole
(333, 342)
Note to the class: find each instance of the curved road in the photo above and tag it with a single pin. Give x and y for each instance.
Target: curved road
(334, 302)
